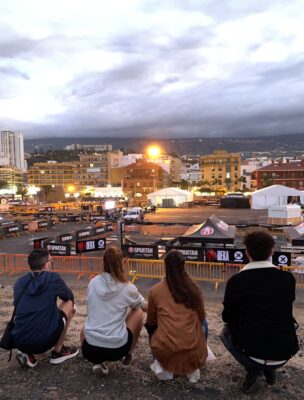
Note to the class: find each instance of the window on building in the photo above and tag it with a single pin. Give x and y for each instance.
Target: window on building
(228, 175)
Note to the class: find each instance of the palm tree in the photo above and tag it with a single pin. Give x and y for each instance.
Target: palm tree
(3, 185)
(22, 190)
(47, 190)
(228, 182)
(215, 182)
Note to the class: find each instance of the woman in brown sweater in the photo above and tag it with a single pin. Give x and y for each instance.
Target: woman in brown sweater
(175, 316)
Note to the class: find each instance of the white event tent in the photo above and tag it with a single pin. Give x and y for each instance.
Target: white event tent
(274, 195)
(171, 195)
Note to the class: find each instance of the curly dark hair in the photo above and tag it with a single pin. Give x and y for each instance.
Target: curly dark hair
(259, 245)
(181, 286)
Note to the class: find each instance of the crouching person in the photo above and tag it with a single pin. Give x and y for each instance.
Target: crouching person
(176, 323)
(260, 328)
(115, 315)
(39, 324)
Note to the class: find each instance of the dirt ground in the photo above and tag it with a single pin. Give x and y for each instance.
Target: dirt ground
(73, 380)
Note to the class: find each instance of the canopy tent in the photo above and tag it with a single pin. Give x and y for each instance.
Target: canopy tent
(169, 197)
(273, 196)
(213, 230)
(296, 234)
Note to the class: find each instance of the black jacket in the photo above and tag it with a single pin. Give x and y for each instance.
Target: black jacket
(258, 311)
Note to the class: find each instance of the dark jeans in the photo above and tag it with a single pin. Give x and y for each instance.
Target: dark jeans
(241, 357)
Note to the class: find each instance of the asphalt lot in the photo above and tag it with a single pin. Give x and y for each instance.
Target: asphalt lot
(24, 243)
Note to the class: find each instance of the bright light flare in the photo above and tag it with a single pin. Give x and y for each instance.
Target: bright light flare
(153, 151)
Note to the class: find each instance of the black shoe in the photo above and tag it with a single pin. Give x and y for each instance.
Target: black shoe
(65, 354)
(252, 382)
(271, 376)
(127, 361)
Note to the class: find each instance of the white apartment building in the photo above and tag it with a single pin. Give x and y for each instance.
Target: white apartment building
(12, 150)
(89, 147)
(191, 172)
(250, 165)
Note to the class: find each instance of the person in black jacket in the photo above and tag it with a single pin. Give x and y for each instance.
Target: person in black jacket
(260, 330)
(39, 324)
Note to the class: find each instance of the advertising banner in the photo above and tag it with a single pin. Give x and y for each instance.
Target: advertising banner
(9, 229)
(84, 246)
(59, 249)
(189, 253)
(83, 233)
(141, 251)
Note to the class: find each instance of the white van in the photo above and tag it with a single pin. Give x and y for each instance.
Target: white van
(134, 215)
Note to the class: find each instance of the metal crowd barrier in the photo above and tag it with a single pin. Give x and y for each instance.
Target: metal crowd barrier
(83, 266)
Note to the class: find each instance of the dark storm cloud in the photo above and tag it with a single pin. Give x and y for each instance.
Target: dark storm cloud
(163, 79)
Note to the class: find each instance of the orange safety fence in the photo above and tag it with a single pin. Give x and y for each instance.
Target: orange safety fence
(90, 266)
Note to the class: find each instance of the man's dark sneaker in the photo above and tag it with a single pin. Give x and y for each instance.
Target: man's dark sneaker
(127, 360)
(252, 382)
(65, 354)
(26, 360)
(271, 376)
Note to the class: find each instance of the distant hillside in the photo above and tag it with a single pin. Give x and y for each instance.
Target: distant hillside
(274, 144)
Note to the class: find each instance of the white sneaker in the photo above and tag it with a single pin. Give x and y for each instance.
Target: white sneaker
(194, 377)
(100, 368)
(160, 372)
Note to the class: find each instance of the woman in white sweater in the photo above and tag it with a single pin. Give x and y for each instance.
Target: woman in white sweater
(115, 315)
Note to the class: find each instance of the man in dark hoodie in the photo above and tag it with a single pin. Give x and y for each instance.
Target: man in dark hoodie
(260, 330)
(39, 324)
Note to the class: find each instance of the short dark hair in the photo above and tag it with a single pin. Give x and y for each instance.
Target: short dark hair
(37, 259)
(259, 245)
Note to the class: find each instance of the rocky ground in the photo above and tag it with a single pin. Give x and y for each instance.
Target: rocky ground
(73, 380)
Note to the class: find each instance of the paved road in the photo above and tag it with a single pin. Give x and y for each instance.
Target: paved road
(200, 214)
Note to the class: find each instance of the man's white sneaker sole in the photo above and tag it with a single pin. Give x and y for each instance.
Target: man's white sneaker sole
(63, 358)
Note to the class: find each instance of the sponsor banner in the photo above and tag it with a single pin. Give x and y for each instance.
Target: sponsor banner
(63, 219)
(59, 249)
(39, 243)
(83, 233)
(24, 226)
(234, 256)
(65, 237)
(281, 259)
(5, 223)
(100, 229)
(97, 217)
(84, 246)
(43, 224)
(141, 251)
(109, 227)
(9, 229)
(74, 218)
(189, 253)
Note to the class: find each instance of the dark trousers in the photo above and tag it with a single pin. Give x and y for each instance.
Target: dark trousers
(241, 357)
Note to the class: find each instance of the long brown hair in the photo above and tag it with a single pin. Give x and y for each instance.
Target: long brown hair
(112, 263)
(181, 286)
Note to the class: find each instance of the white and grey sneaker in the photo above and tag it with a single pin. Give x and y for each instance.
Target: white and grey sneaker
(100, 369)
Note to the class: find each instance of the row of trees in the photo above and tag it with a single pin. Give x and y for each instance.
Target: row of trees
(213, 185)
(22, 190)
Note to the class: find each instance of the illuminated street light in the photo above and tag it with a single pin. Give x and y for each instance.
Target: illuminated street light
(153, 151)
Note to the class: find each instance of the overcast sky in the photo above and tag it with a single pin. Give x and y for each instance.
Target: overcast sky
(152, 68)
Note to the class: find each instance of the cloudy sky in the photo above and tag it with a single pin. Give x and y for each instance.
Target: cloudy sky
(156, 68)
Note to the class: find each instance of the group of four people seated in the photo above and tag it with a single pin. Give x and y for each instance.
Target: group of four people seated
(259, 330)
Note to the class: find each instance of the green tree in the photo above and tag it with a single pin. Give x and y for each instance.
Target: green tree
(3, 185)
(184, 184)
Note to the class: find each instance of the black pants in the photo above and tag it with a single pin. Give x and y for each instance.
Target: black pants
(241, 357)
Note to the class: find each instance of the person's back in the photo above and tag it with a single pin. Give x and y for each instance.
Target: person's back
(261, 321)
(260, 328)
(37, 315)
(174, 321)
(39, 324)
